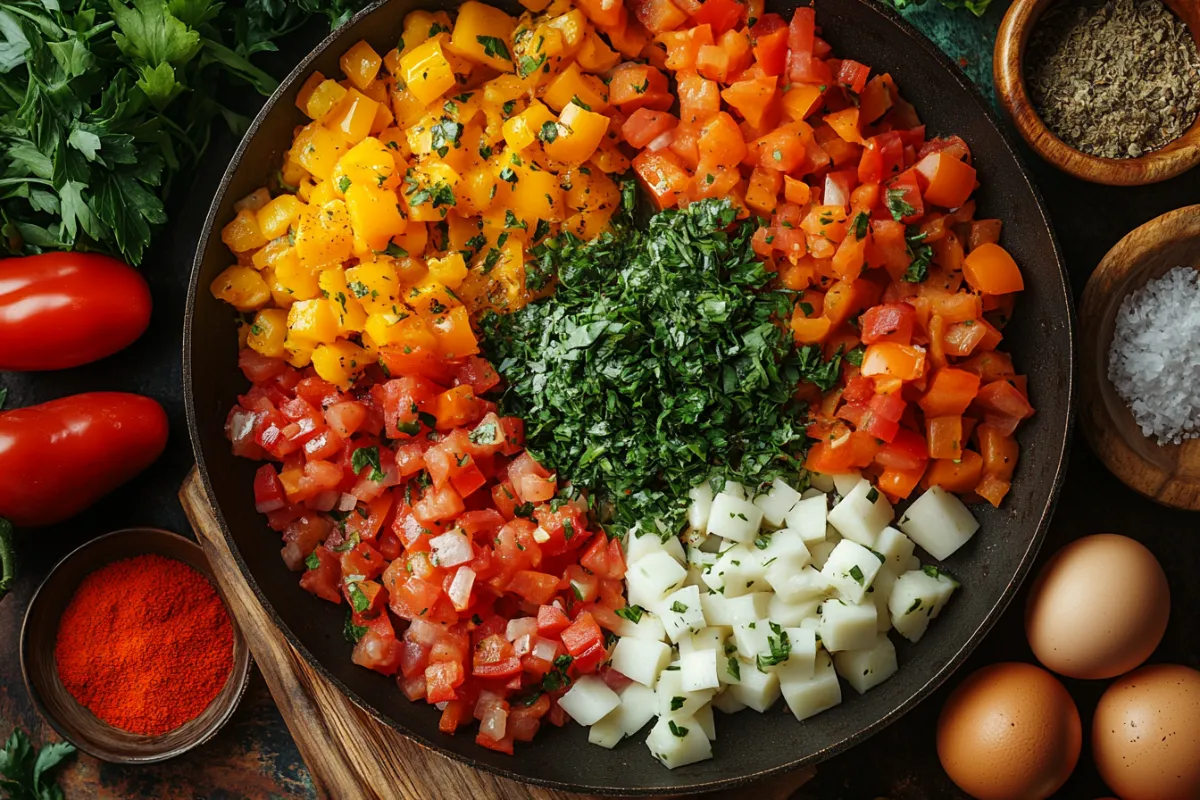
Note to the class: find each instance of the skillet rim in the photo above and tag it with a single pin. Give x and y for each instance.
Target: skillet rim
(934, 681)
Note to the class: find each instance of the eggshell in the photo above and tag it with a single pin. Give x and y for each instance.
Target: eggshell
(1009, 732)
(1098, 608)
(1146, 734)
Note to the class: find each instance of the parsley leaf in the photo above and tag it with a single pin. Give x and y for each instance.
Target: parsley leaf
(368, 457)
(494, 47)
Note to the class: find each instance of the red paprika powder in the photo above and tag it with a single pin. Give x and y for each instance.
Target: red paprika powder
(145, 644)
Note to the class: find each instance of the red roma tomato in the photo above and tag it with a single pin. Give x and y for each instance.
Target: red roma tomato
(61, 310)
(58, 458)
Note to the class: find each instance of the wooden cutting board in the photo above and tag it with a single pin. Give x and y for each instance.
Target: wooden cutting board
(347, 751)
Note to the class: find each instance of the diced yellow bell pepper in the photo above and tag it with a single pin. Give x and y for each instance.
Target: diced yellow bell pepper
(579, 134)
(360, 64)
(299, 283)
(453, 332)
(323, 235)
(429, 191)
(353, 117)
(243, 234)
(476, 191)
(340, 362)
(412, 242)
(530, 194)
(374, 215)
(430, 297)
(299, 357)
(255, 200)
(502, 89)
(538, 53)
(591, 190)
(277, 216)
(396, 143)
(309, 86)
(522, 130)
(535, 5)
(318, 149)
(243, 333)
(241, 287)
(426, 72)
(348, 313)
(389, 329)
(292, 173)
(420, 26)
(270, 253)
(383, 119)
(595, 55)
(483, 34)
(370, 163)
(588, 224)
(324, 192)
(572, 85)
(325, 97)
(573, 27)
(310, 323)
(375, 285)
(448, 270)
(406, 107)
(609, 158)
(268, 332)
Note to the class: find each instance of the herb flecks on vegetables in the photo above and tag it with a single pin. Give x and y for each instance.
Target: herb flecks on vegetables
(659, 361)
(103, 105)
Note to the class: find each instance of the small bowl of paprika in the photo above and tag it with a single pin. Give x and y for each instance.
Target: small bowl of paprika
(128, 650)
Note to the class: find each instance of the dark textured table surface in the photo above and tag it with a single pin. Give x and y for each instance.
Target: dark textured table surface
(254, 757)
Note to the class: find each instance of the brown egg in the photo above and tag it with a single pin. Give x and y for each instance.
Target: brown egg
(1146, 734)
(1009, 732)
(1098, 608)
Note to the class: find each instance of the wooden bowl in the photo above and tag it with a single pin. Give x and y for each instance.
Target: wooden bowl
(74, 722)
(1008, 72)
(1168, 473)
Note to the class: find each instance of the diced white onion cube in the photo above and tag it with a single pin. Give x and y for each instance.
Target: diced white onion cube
(451, 548)
(850, 569)
(759, 690)
(641, 660)
(797, 584)
(844, 482)
(649, 543)
(678, 741)
(638, 706)
(648, 626)
(808, 696)
(460, 588)
(896, 549)
(777, 502)
(865, 669)
(846, 626)
(734, 519)
(703, 639)
(939, 522)
(520, 626)
(917, 597)
(881, 592)
(790, 614)
(698, 670)
(808, 518)
(653, 577)
(729, 611)
(821, 482)
(737, 571)
(607, 732)
(701, 500)
(589, 700)
(726, 703)
(802, 650)
(681, 613)
(751, 639)
(862, 514)
(704, 718)
(671, 698)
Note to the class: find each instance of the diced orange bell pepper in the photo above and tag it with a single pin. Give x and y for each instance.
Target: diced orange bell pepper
(989, 269)
(950, 392)
(958, 476)
(906, 362)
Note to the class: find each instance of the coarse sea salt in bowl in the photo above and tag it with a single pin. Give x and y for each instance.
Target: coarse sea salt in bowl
(1140, 326)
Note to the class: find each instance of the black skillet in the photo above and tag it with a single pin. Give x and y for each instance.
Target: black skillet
(749, 746)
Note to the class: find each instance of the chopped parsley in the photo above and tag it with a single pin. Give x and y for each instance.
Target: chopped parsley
(780, 645)
(632, 613)
(897, 204)
(368, 457)
(494, 47)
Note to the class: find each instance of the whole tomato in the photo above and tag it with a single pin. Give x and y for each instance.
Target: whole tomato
(58, 458)
(62, 310)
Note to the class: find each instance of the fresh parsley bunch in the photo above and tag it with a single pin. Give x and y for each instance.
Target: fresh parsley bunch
(661, 360)
(103, 104)
(26, 773)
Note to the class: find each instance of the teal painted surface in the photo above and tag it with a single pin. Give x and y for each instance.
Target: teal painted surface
(966, 38)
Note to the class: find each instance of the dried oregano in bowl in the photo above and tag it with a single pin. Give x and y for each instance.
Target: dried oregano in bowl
(1114, 78)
